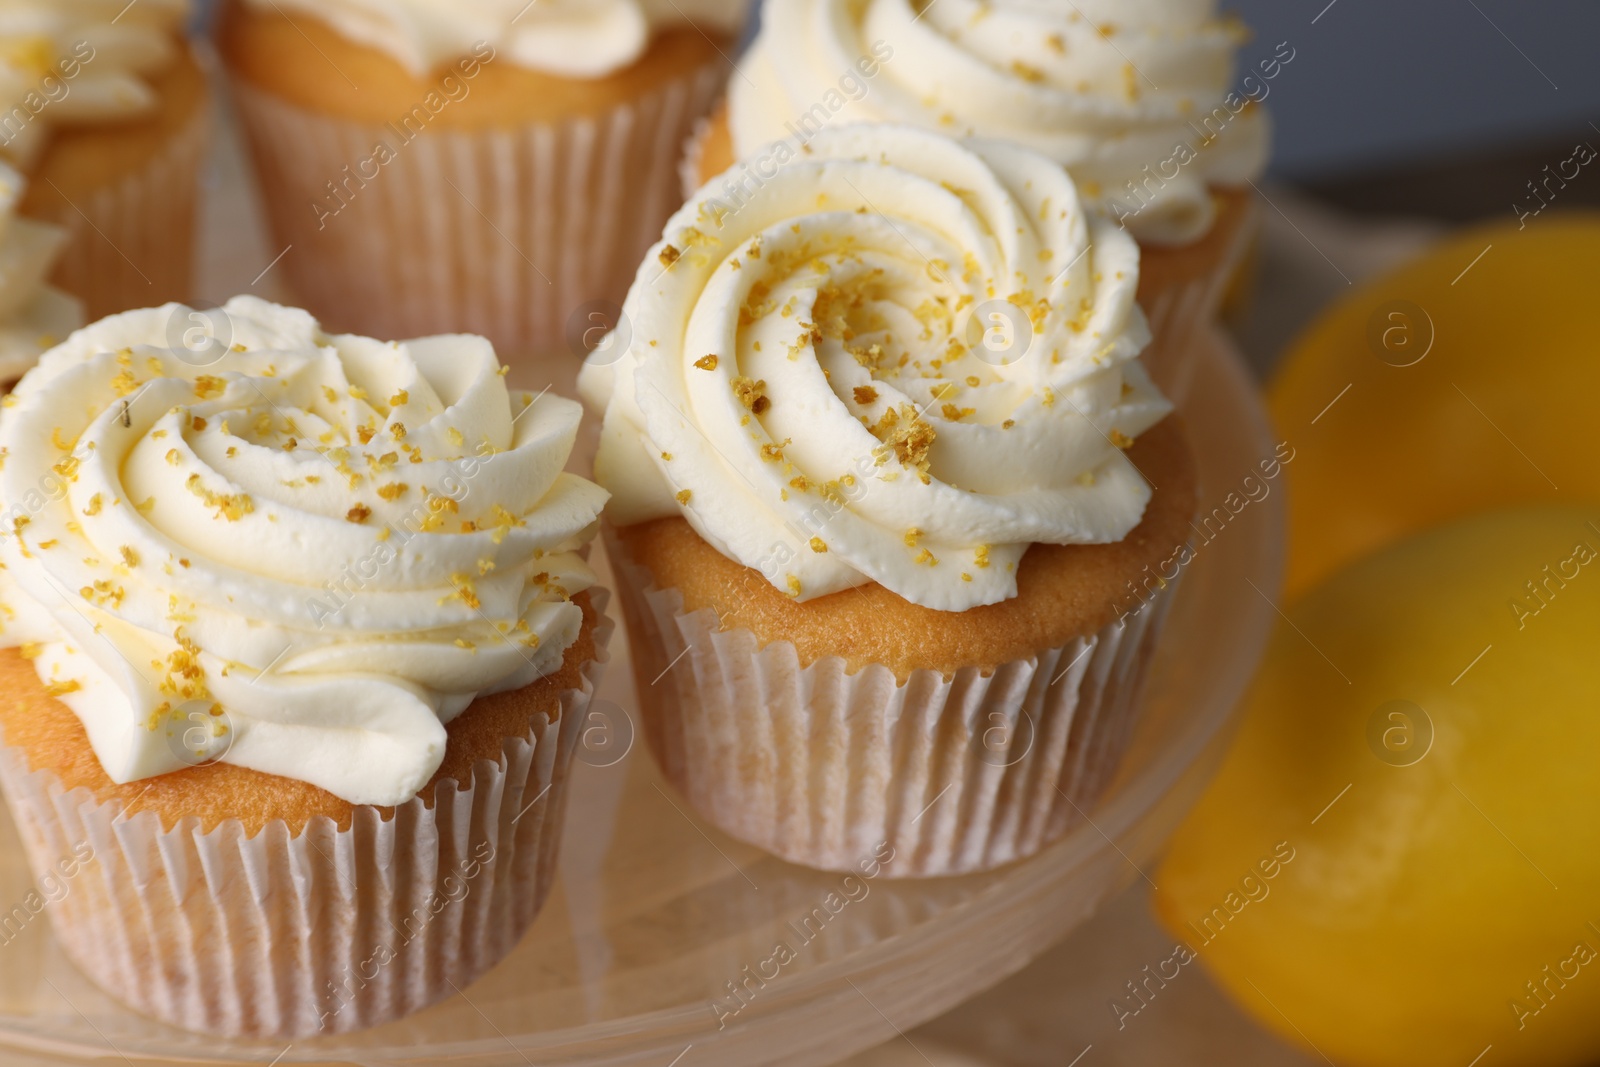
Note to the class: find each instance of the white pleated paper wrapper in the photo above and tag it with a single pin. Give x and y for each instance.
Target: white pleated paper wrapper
(327, 932)
(1179, 315)
(132, 243)
(693, 157)
(819, 766)
(505, 233)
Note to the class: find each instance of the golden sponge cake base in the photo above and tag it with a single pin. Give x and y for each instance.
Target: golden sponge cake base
(1063, 591)
(53, 739)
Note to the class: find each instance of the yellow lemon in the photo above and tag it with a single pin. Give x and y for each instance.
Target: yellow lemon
(1399, 863)
(1466, 380)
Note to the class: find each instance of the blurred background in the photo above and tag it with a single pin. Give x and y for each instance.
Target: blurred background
(1391, 105)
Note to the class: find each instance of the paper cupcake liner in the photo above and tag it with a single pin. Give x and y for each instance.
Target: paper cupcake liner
(1181, 309)
(507, 233)
(132, 243)
(820, 765)
(326, 932)
(693, 155)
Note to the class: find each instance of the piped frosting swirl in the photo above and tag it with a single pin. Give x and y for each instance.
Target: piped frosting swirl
(33, 316)
(899, 359)
(74, 62)
(329, 545)
(1130, 96)
(568, 38)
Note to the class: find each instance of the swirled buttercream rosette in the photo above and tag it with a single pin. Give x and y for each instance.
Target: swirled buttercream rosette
(1141, 102)
(33, 316)
(570, 38)
(286, 608)
(106, 110)
(871, 388)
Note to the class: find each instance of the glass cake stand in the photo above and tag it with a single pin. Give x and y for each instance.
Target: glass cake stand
(655, 915)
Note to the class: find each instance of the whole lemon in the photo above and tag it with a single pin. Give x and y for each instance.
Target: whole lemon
(1399, 863)
(1464, 381)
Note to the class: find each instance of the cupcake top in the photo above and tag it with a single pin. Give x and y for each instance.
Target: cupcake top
(885, 356)
(72, 62)
(33, 316)
(567, 38)
(1131, 95)
(322, 547)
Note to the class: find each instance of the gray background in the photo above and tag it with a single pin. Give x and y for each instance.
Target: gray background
(1378, 84)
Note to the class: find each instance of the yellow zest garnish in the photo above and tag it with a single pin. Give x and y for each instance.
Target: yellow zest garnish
(231, 506)
(752, 394)
(466, 592)
(905, 434)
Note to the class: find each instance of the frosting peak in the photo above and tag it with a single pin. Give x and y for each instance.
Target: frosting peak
(69, 62)
(568, 38)
(1104, 87)
(33, 316)
(887, 356)
(324, 547)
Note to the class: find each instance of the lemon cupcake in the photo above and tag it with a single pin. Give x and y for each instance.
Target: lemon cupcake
(104, 108)
(33, 316)
(1134, 99)
(297, 637)
(497, 167)
(875, 448)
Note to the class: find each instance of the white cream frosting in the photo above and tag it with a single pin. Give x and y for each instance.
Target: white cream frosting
(1107, 88)
(33, 316)
(817, 380)
(70, 62)
(334, 543)
(568, 38)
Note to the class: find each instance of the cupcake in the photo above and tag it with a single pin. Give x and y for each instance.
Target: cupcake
(298, 634)
(496, 167)
(33, 316)
(106, 111)
(889, 485)
(1133, 99)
